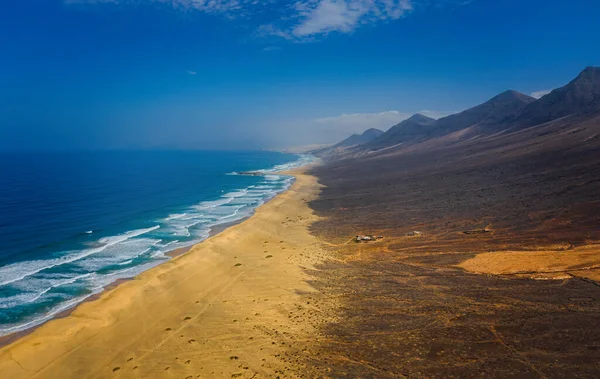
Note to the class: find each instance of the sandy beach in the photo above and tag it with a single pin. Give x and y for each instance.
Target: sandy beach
(235, 305)
(316, 189)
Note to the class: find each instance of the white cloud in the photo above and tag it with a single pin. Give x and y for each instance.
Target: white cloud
(224, 7)
(270, 30)
(540, 94)
(191, 72)
(324, 16)
(329, 15)
(302, 20)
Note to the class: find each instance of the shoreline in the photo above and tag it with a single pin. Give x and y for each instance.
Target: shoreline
(69, 328)
(7, 339)
(214, 230)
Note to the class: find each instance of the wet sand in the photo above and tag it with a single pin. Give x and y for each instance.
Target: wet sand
(213, 232)
(235, 305)
(10, 338)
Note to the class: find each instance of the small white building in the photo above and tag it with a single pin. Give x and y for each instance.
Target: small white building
(367, 238)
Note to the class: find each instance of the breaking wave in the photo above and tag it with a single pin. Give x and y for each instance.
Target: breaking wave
(34, 291)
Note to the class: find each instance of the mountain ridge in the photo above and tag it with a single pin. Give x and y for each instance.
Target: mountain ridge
(419, 128)
(358, 139)
(508, 111)
(353, 140)
(579, 96)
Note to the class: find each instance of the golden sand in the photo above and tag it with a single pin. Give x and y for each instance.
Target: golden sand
(583, 261)
(224, 309)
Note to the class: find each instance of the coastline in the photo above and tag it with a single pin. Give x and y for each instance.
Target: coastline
(253, 262)
(89, 252)
(6, 339)
(215, 230)
(14, 337)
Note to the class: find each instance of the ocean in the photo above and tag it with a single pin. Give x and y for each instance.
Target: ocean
(72, 223)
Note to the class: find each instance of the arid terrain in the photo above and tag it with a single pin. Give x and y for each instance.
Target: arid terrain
(488, 265)
(502, 278)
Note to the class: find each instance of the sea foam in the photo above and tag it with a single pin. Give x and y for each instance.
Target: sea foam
(32, 292)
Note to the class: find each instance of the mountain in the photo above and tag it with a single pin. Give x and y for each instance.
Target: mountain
(536, 180)
(406, 130)
(496, 111)
(359, 139)
(523, 198)
(507, 112)
(581, 96)
(499, 109)
(353, 140)
(533, 175)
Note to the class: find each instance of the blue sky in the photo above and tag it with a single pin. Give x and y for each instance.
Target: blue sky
(96, 74)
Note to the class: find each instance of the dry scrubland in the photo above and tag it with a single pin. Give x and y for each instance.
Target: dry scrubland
(518, 298)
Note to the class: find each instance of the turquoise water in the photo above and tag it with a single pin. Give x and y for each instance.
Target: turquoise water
(72, 223)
